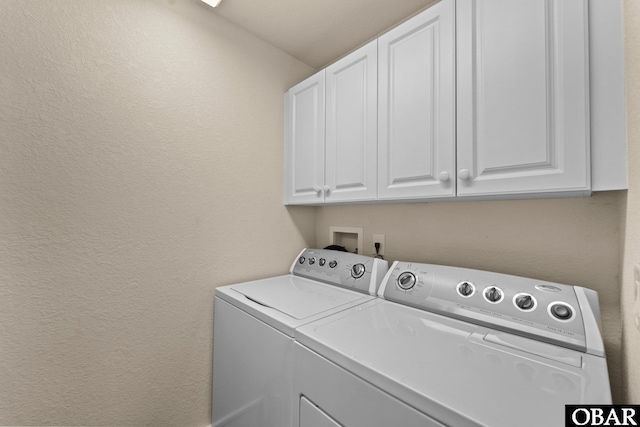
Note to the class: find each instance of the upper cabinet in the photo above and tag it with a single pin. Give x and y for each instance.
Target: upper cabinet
(304, 141)
(416, 111)
(523, 102)
(331, 133)
(351, 129)
(473, 99)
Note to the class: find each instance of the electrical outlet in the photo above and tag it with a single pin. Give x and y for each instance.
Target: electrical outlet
(378, 238)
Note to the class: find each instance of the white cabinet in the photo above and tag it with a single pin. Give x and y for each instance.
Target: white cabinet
(523, 102)
(351, 130)
(475, 99)
(416, 115)
(304, 141)
(333, 160)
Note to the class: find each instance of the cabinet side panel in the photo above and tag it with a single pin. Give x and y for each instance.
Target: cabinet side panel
(608, 116)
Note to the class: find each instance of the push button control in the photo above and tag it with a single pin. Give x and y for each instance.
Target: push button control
(561, 311)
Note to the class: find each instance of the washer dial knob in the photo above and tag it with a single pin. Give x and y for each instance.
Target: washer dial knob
(333, 263)
(301, 260)
(357, 271)
(466, 289)
(525, 302)
(322, 262)
(312, 261)
(493, 294)
(406, 280)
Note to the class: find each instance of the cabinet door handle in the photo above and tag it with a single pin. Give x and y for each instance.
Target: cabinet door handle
(464, 174)
(443, 177)
(327, 189)
(317, 189)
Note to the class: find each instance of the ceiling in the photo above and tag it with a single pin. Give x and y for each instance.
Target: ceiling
(317, 32)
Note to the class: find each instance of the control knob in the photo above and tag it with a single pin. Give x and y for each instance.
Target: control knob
(525, 302)
(301, 260)
(465, 289)
(312, 261)
(406, 280)
(322, 262)
(493, 294)
(561, 311)
(333, 263)
(357, 271)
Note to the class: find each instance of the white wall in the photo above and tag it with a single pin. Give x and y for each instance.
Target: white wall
(140, 164)
(631, 334)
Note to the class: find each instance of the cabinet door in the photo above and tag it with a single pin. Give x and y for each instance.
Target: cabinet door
(351, 131)
(304, 141)
(523, 117)
(416, 98)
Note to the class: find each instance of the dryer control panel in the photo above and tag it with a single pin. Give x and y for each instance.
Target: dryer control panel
(352, 271)
(551, 312)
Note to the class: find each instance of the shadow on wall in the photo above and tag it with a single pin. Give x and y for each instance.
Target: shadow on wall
(304, 219)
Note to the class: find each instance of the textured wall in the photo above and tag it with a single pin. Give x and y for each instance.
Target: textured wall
(573, 241)
(140, 158)
(631, 335)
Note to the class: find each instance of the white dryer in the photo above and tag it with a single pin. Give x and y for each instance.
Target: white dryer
(254, 325)
(452, 347)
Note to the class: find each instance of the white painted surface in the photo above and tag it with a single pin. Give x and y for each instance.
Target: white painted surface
(351, 126)
(416, 92)
(251, 371)
(607, 96)
(523, 106)
(312, 416)
(140, 153)
(305, 141)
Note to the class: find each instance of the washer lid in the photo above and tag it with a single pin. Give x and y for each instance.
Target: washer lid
(296, 297)
(449, 369)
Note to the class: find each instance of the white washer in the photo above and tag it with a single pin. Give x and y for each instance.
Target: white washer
(254, 330)
(452, 347)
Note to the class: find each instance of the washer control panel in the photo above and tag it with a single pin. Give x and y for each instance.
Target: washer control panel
(545, 311)
(353, 271)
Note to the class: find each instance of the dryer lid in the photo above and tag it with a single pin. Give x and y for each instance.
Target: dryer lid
(295, 296)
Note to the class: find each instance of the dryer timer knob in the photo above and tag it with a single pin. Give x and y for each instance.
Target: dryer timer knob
(406, 280)
(357, 271)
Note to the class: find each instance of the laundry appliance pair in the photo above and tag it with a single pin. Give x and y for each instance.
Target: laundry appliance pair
(343, 341)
